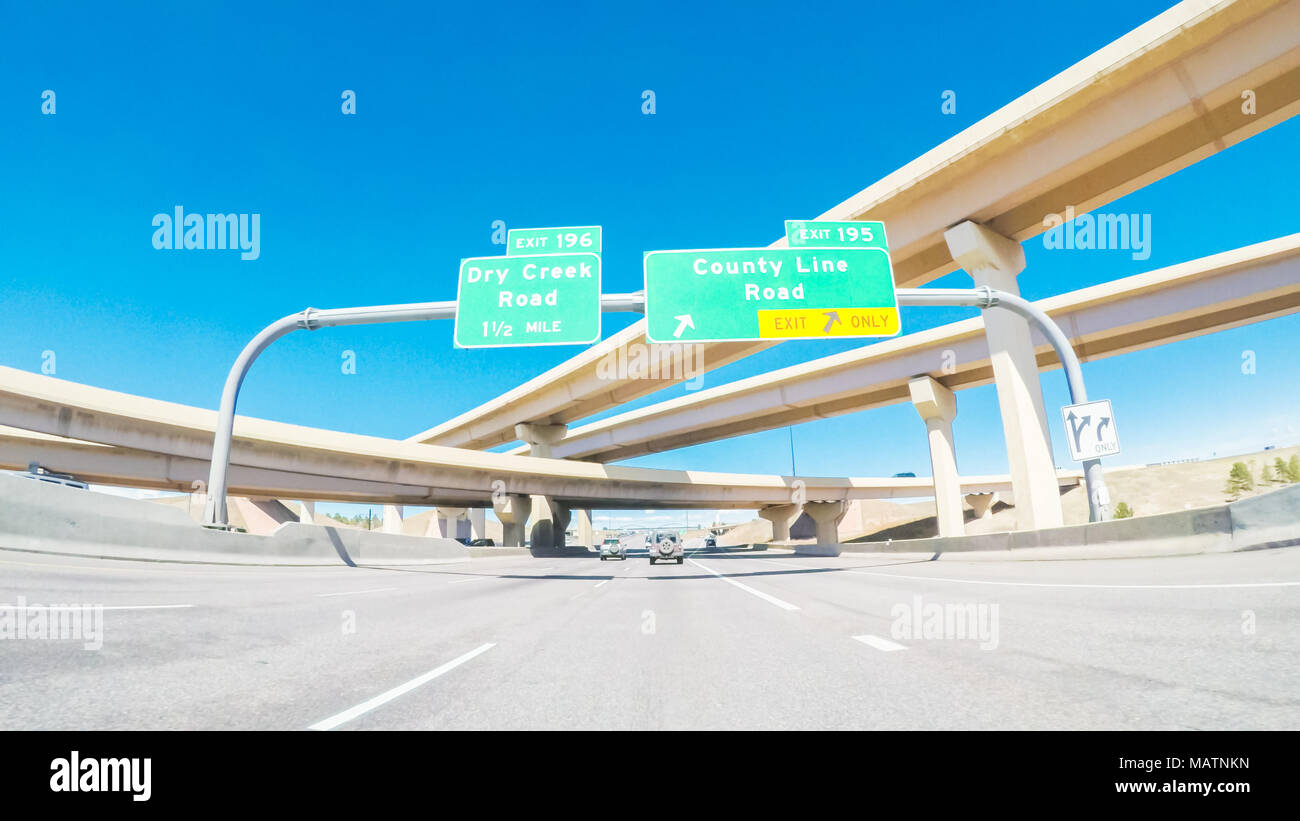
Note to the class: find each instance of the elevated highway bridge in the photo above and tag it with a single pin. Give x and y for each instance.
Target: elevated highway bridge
(1202, 296)
(1158, 99)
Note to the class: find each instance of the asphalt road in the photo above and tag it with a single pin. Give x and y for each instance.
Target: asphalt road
(724, 641)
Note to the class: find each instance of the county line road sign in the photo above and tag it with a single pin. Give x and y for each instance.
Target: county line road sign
(525, 241)
(829, 234)
(543, 299)
(743, 294)
(1090, 430)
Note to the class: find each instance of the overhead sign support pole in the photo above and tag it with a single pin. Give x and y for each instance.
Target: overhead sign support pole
(215, 513)
(1098, 497)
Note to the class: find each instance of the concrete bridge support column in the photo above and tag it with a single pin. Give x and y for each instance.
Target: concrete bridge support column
(307, 513)
(437, 527)
(444, 522)
(994, 261)
(827, 516)
(393, 518)
(560, 516)
(981, 503)
(513, 511)
(586, 533)
(477, 523)
(781, 517)
(937, 407)
(544, 530)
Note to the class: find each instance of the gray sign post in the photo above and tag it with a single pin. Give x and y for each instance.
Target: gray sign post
(215, 514)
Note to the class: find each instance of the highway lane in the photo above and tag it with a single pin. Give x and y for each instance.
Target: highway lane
(1134, 643)
(261, 647)
(727, 640)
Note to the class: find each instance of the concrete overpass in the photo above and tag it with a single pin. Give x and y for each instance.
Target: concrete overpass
(1190, 299)
(166, 445)
(1158, 99)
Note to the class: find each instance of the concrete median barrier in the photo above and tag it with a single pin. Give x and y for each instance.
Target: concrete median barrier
(1269, 520)
(47, 518)
(1272, 520)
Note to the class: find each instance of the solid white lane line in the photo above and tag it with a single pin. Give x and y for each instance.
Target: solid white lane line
(1090, 586)
(402, 689)
(355, 592)
(877, 642)
(604, 582)
(784, 605)
(472, 579)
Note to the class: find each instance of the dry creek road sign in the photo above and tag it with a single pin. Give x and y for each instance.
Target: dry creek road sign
(516, 301)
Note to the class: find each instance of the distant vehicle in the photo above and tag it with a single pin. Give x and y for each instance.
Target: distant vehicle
(649, 540)
(1269, 447)
(908, 475)
(611, 548)
(482, 543)
(40, 474)
(710, 542)
(667, 549)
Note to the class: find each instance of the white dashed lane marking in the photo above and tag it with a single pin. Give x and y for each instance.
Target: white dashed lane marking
(884, 645)
(784, 605)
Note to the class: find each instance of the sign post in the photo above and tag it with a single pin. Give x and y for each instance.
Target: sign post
(516, 301)
(743, 294)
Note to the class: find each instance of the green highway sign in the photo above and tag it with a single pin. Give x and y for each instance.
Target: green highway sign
(525, 241)
(818, 234)
(743, 294)
(543, 299)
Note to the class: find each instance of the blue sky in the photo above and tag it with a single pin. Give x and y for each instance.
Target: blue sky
(532, 115)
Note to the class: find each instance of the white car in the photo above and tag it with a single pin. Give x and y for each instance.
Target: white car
(611, 548)
(667, 549)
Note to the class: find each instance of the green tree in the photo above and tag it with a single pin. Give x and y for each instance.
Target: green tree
(1239, 480)
(1282, 470)
(1293, 468)
(1122, 511)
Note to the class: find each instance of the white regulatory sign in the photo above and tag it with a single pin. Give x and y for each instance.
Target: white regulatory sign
(1090, 430)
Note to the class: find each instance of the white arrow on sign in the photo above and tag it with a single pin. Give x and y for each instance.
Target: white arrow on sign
(1090, 430)
(684, 321)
